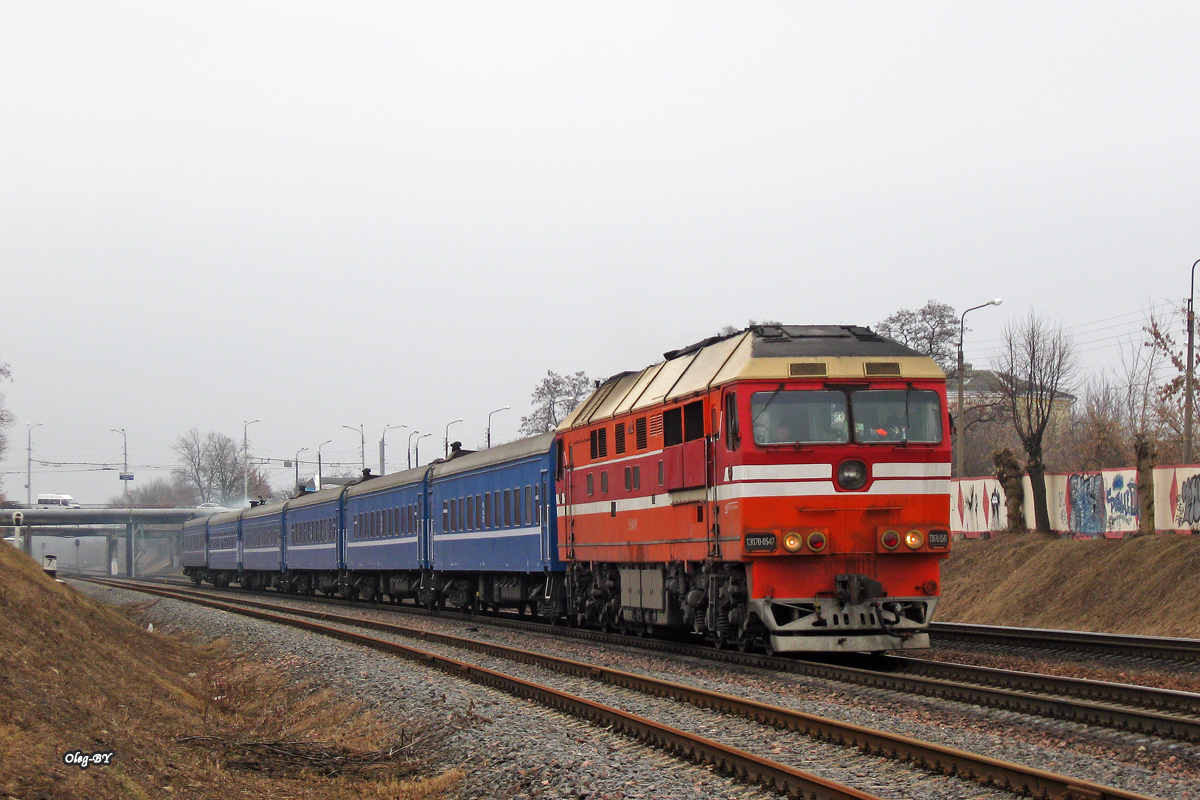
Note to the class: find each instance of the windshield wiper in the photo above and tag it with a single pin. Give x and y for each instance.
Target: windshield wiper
(766, 405)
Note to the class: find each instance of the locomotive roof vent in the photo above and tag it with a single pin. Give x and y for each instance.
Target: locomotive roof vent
(808, 369)
(883, 369)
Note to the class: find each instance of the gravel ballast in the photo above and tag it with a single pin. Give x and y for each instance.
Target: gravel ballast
(516, 734)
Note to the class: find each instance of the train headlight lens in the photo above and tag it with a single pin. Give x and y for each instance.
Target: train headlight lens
(914, 539)
(792, 542)
(852, 474)
(816, 541)
(890, 540)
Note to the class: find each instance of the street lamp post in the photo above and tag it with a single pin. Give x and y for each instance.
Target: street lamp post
(408, 448)
(320, 474)
(446, 441)
(962, 420)
(296, 461)
(246, 461)
(417, 448)
(489, 425)
(29, 463)
(125, 472)
(1187, 390)
(362, 442)
(130, 544)
(382, 436)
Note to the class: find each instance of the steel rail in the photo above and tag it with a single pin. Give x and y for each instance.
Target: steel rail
(936, 758)
(1174, 649)
(1144, 710)
(1128, 694)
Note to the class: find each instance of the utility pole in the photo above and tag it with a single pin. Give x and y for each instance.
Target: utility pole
(446, 441)
(408, 448)
(1191, 360)
(962, 419)
(382, 436)
(296, 461)
(320, 473)
(29, 463)
(246, 461)
(362, 441)
(489, 425)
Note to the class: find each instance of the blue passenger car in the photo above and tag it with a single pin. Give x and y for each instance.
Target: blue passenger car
(225, 545)
(195, 548)
(314, 531)
(262, 538)
(490, 510)
(384, 520)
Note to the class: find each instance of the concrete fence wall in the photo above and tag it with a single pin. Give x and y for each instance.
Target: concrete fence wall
(1085, 505)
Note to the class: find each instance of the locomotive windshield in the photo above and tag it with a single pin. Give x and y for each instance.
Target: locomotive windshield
(828, 416)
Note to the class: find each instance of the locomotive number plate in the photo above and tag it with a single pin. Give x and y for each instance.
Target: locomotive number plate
(939, 538)
(759, 542)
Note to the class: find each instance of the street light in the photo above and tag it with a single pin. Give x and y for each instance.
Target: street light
(962, 420)
(446, 441)
(319, 472)
(246, 461)
(362, 442)
(408, 448)
(1187, 389)
(383, 436)
(489, 425)
(417, 448)
(296, 461)
(29, 463)
(125, 472)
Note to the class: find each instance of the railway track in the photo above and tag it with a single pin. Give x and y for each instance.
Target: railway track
(1137, 709)
(1040, 638)
(748, 766)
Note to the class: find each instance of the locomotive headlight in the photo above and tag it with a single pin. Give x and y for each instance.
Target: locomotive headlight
(816, 541)
(890, 540)
(792, 542)
(852, 474)
(914, 539)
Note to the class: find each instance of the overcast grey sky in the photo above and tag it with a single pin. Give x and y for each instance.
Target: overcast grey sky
(326, 214)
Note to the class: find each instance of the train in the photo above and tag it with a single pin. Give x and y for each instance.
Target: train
(783, 488)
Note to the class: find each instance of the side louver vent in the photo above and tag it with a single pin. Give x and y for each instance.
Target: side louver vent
(808, 370)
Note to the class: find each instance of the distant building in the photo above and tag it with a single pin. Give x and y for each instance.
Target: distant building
(983, 387)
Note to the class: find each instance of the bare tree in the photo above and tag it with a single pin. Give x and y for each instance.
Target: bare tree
(1036, 368)
(553, 398)
(212, 465)
(6, 419)
(931, 329)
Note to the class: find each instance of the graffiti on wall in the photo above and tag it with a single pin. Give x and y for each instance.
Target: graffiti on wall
(1121, 497)
(1187, 504)
(1085, 504)
(980, 506)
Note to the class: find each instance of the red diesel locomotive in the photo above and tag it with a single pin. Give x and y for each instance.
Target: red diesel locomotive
(784, 487)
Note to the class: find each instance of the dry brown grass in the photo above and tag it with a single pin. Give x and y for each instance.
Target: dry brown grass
(183, 721)
(1144, 585)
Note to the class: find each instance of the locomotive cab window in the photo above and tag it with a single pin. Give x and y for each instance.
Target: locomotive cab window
(891, 416)
(799, 417)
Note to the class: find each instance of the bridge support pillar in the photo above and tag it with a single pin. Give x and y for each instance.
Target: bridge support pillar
(129, 560)
(110, 555)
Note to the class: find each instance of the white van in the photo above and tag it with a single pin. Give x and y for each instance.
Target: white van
(56, 501)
